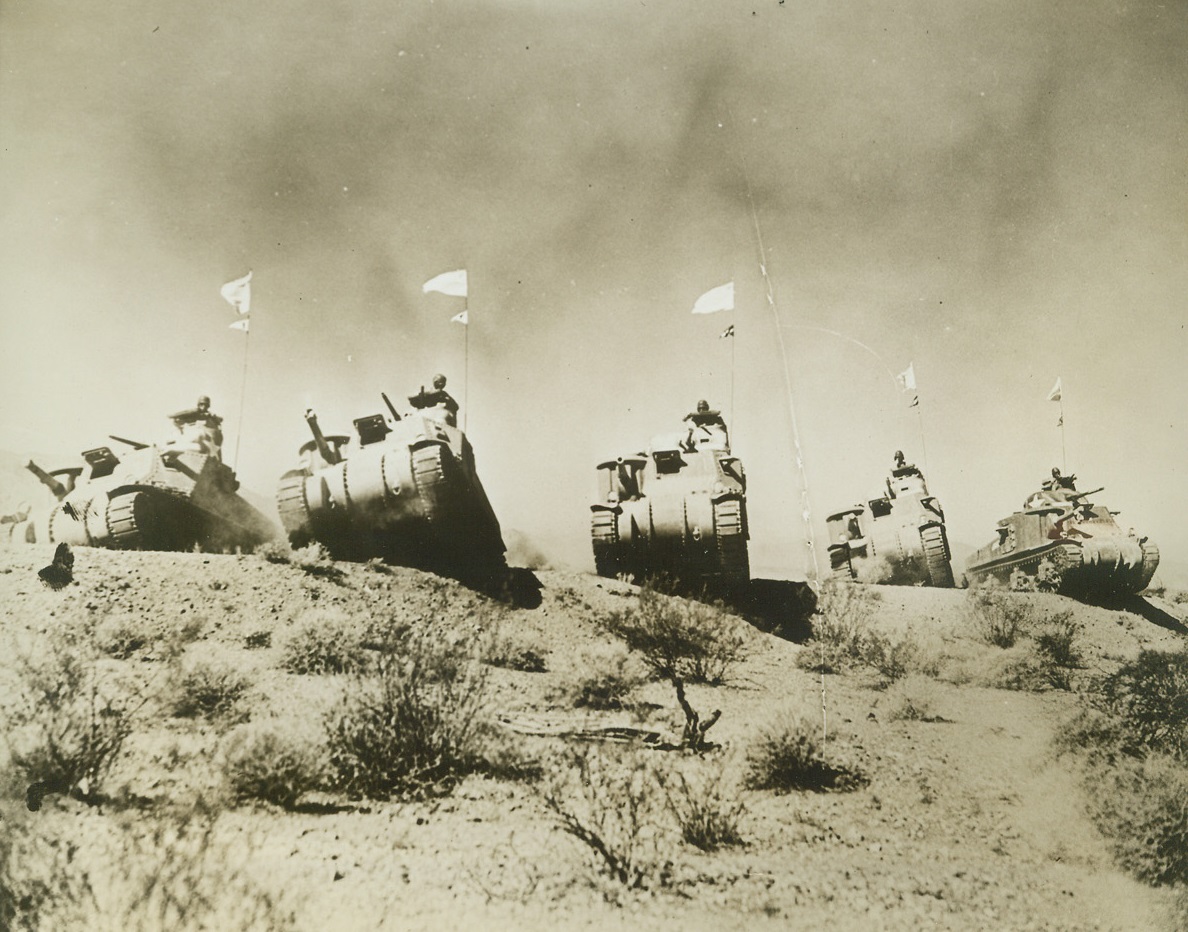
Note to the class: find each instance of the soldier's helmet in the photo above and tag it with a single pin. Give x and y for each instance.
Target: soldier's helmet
(702, 406)
(1055, 472)
(439, 381)
(203, 401)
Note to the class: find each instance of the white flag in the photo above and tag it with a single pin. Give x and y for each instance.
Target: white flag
(240, 325)
(451, 283)
(238, 293)
(463, 318)
(716, 299)
(1054, 394)
(907, 378)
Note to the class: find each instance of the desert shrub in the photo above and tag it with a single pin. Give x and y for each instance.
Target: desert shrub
(411, 726)
(613, 805)
(1149, 699)
(66, 721)
(840, 629)
(681, 638)
(202, 689)
(504, 650)
(1142, 807)
(999, 618)
(120, 636)
(611, 676)
(912, 699)
(706, 806)
(893, 657)
(274, 551)
(324, 642)
(258, 640)
(788, 755)
(262, 761)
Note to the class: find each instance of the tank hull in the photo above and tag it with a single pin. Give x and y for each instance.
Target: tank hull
(414, 499)
(688, 525)
(1076, 550)
(155, 498)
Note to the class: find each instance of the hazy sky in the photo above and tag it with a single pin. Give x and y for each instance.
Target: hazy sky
(995, 192)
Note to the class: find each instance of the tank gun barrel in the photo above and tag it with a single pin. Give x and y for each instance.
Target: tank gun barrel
(47, 480)
(391, 407)
(134, 444)
(1077, 496)
(328, 453)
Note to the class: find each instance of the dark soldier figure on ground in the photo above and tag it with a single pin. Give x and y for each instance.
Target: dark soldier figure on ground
(438, 398)
(200, 428)
(710, 421)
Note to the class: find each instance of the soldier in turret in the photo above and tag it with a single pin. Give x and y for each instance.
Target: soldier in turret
(705, 425)
(438, 398)
(200, 429)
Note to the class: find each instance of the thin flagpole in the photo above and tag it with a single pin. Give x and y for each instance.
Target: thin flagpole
(466, 360)
(247, 335)
(920, 421)
(1063, 451)
(733, 337)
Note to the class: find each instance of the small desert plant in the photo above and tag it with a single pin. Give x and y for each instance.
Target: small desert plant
(412, 726)
(66, 721)
(1142, 807)
(202, 689)
(681, 638)
(841, 629)
(912, 699)
(999, 618)
(614, 806)
(788, 755)
(512, 653)
(893, 657)
(706, 807)
(274, 551)
(262, 761)
(1149, 699)
(610, 677)
(120, 636)
(324, 642)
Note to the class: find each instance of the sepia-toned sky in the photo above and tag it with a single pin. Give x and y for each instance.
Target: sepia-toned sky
(996, 192)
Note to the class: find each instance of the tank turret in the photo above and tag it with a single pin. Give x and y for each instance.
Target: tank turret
(1061, 541)
(898, 538)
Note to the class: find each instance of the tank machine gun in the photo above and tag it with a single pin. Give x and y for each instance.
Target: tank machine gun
(1063, 542)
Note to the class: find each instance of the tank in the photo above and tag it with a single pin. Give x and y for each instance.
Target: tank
(898, 538)
(1063, 542)
(403, 490)
(177, 495)
(677, 511)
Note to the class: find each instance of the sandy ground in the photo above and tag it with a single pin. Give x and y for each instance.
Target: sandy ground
(970, 821)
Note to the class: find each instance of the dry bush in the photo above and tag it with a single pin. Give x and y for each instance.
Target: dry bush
(998, 617)
(1149, 700)
(841, 629)
(324, 642)
(1142, 807)
(912, 699)
(411, 726)
(269, 762)
(275, 551)
(706, 806)
(209, 690)
(515, 653)
(681, 638)
(65, 719)
(789, 755)
(613, 804)
(611, 676)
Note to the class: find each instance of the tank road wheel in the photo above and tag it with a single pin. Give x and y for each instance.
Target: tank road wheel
(731, 533)
(936, 556)
(294, 509)
(604, 532)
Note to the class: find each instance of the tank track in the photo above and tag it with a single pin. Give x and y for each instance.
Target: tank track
(293, 506)
(731, 534)
(1024, 573)
(121, 522)
(604, 532)
(1150, 562)
(936, 557)
(841, 566)
(428, 469)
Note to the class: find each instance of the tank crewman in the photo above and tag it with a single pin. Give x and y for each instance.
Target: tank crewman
(703, 419)
(899, 459)
(1059, 486)
(438, 398)
(200, 429)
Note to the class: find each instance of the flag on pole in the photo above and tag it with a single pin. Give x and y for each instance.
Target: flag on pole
(1054, 394)
(240, 325)
(238, 293)
(463, 318)
(716, 299)
(907, 378)
(728, 332)
(451, 283)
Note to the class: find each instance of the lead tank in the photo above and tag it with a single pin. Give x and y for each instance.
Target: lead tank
(677, 511)
(1063, 542)
(898, 538)
(404, 491)
(177, 495)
